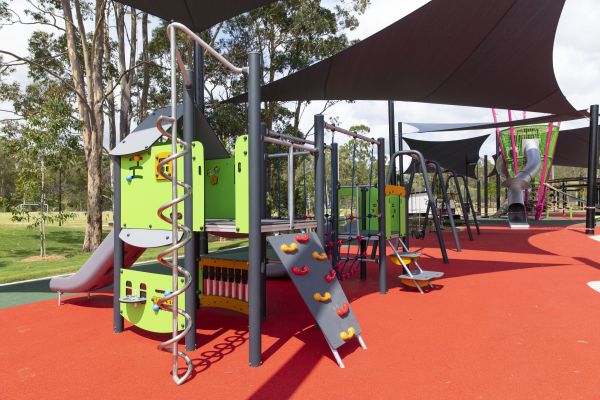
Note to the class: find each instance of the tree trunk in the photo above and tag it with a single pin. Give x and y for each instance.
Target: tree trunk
(42, 213)
(90, 100)
(143, 109)
(126, 76)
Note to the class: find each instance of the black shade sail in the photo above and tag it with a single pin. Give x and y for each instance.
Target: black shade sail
(461, 156)
(197, 15)
(572, 148)
(461, 52)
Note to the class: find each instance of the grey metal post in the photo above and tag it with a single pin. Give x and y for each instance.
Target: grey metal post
(263, 214)
(392, 139)
(470, 204)
(364, 219)
(119, 251)
(190, 265)
(381, 197)
(335, 210)
(401, 161)
(463, 206)
(479, 196)
(485, 186)
(200, 238)
(254, 198)
(590, 212)
(320, 176)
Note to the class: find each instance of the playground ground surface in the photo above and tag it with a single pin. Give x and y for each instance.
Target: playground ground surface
(512, 319)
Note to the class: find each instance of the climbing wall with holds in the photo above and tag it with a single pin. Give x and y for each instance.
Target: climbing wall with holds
(308, 266)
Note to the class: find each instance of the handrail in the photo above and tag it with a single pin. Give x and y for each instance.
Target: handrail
(271, 140)
(350, 133)
(176, 25)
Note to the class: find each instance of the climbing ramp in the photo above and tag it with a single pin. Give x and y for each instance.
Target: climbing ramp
(308, 266)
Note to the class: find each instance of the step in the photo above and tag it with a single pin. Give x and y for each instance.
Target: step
(423, 276)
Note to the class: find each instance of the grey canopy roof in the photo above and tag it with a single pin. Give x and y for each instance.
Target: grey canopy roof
(146, 133)
(572, 148)
(466, 126)
(197, 15)
(461, 156)
(460, 52)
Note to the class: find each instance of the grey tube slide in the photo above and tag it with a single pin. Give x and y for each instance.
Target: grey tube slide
(517, 212)
(97, 272)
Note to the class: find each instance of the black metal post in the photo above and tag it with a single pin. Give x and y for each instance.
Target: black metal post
(119, 250)
(485, 186)
(190, 265)
(470, 204)
(263, 214)
(335, 207)
(254, 197)
(590, 214)
(478, 196)
(320, 176)
(364, 220)
(401, 163)
(381, 198)
(446, 199)
(392, 139)
(498, 160)
(463, 206)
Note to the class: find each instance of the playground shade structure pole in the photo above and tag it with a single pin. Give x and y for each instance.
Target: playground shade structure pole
(590, 213)
(485, 186)
(191, 298)
(254, 233)
(335, 210)
(320, 176)
(118, 254)
(381, 197)
(392, 140)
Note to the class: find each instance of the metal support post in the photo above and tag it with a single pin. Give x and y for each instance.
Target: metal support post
(119, 250)
(382, 228)
(320, 176)
(590, 214)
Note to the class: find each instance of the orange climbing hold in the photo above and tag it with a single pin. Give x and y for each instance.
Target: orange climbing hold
(323, 298)
(301, 271)
(347, 335)
(343, 310)
(289, 248)
(319, 256)
(330, 276)
(302, 238)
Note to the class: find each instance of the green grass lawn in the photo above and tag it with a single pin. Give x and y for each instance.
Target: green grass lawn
(17, 242)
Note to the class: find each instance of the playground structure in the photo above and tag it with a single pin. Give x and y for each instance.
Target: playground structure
(175, 183)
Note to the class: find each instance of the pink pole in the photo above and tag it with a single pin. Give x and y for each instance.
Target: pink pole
(545, 188)
(541, 191)
(495, 114)
(514, 145)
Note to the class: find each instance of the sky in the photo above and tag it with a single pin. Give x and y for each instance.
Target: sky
(576, 63)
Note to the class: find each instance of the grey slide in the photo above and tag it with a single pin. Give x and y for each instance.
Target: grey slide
(97, 272)
(517, 212)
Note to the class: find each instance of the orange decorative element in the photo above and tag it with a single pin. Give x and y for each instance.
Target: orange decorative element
(319, 256)
(343, 310)
(395, 190)
(302, 238)
(347, 335)
(323, 298)
(330, 276)
(137, 158)
(300, 271)
(166, 168)
(289, 249)
(214, 179)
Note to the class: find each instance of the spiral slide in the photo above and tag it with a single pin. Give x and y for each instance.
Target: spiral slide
(97, 272)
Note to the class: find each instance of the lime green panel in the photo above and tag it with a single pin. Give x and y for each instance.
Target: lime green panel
(528, 132)
(219, 183)
(241, 185)
(142, 315)
(142, 193)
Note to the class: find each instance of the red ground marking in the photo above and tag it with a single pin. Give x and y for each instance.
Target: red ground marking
(513, 319)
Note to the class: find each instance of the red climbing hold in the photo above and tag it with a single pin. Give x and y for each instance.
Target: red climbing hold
(300, 238)
(300, 271)
(330, 276)
(330, 244)
(351, 218)
(340, 243)
(343, 310)
(359, 238)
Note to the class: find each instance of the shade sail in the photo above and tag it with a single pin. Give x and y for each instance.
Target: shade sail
(450, 127)
(572, 148)
(460, 156)
(197, 15)
(460, 52)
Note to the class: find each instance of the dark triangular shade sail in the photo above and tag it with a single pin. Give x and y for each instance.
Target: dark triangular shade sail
(460, 52)
(572, 148)
(460, 156)
(197, 15)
